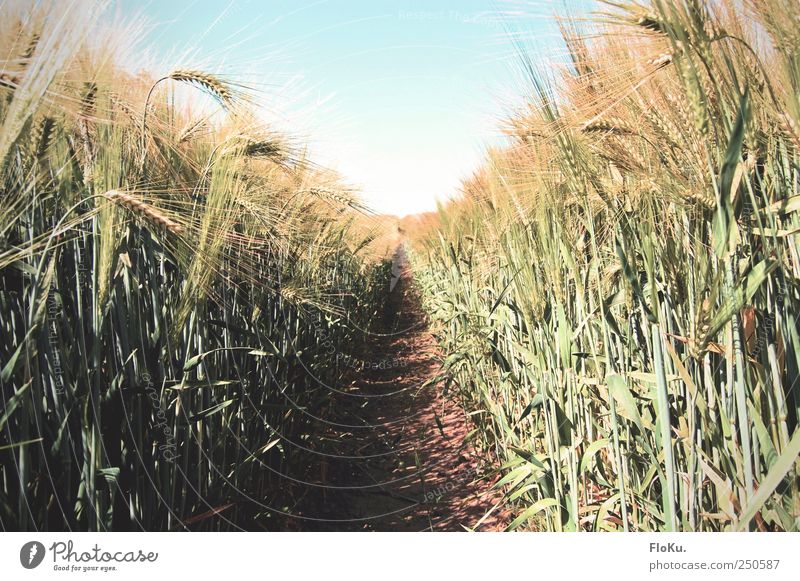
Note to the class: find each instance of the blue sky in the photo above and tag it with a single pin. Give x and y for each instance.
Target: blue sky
(399, 96)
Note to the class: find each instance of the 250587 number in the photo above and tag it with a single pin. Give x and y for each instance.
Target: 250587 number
(768, 564)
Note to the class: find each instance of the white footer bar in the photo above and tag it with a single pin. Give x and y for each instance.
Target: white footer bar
(378, 556)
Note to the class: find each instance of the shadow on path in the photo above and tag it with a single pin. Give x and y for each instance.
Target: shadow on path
(414, 463)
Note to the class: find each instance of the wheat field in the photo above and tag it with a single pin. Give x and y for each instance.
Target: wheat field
(617, 289)
(611, 301)
(159, 272)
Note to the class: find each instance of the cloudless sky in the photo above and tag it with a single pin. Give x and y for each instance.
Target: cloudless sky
(401, 96)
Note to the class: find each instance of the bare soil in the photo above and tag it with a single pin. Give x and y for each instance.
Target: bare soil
(404, 462)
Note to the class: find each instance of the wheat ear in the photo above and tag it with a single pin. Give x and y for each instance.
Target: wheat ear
(139, 207)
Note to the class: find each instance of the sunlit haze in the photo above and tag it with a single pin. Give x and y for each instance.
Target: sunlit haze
(402, 98)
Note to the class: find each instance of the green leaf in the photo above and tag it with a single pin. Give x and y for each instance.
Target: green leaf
(210, 411)
(529, 456)
(526, 412)
(564, 337)
(193, 362)
(723, 219)
(514, 477)
(12, 404)
(535, 508)
(453, 359)
(619, 390)
(498, 357)
(187, 385)
(739, 297)
(503, 293)
(110, 474)
(20, 444)
(781, 467)
(591, 450)
(633, 280)
(612, 322)
(767, 448)
(11, 364)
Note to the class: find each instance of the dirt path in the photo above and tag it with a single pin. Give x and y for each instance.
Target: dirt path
(404, 464)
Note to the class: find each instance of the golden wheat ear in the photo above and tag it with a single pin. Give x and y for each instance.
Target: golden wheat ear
(222, 92)
(208, 83)
(190, 130)
(142, 208)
